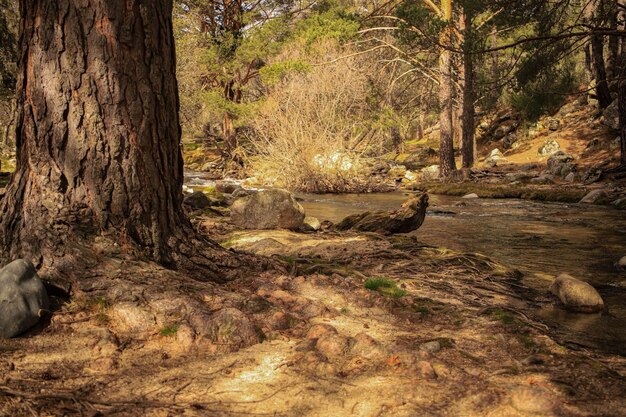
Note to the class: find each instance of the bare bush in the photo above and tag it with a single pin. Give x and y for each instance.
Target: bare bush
(313, 132)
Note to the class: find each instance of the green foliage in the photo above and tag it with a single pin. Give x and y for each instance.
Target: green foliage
(272, 74)
(333, 24)
(385, 286)
(169, 330)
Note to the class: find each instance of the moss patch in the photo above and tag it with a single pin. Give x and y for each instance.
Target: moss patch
(385, 286)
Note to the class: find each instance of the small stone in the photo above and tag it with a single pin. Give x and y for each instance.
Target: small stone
(23, 298)
(577, 295)
(471, 196)
(431, 347)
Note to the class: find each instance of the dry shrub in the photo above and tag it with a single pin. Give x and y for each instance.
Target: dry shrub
(311, 130)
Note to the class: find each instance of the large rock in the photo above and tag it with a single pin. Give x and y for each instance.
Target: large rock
(408, 218)
(23, 297)
(577, 295)
(610, 116)
(268, 209)
(494, 158)
(560, 164)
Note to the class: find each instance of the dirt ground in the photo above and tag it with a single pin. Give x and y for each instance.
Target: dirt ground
(441, 334)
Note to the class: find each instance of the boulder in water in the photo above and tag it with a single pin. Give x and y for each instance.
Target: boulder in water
(268, 209)
(408, 218)
(23, 297)
(577, 295)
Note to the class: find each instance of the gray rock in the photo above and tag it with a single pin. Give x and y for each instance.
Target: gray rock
(593, 175)
(509, 140)
(504, 129)
(494, 158)
(268, 209)
(549, 147)
(23, 297)
(571, 177)
(577, 295)
(197, 201)
(471, 196)
(594, 197)
(610, 116)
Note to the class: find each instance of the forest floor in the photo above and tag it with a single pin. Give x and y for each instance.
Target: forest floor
(346, 324)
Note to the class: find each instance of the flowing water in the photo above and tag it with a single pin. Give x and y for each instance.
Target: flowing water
(540, 239)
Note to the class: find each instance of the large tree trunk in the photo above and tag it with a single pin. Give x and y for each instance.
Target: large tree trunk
(446, 145)
(98, 135)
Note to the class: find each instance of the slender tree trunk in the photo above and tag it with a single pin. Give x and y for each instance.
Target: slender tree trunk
(446, 145)
(469, 112)
(599, 71)
(613, 47)
(98, 135)
(621, 91)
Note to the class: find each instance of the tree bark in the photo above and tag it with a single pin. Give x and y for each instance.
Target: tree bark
(446, 145)
(98, 134)
(599, 71)
(469, 112)
(621, 90)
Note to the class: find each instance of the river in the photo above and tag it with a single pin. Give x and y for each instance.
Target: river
(541, 240)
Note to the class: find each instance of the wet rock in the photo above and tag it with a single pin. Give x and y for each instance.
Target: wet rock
(594, 197)
(431, 173)
(470, 196)
(577, 295)
(610, 116)
(23, 298)
(431, 347)
(268, 209)
(408, 218)
(549, 147)
(533, 400)
(197, 201)
(128, 317)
